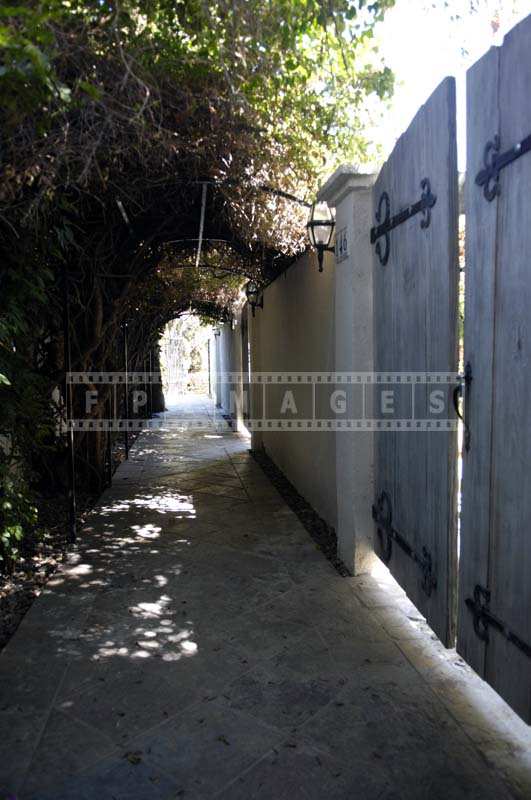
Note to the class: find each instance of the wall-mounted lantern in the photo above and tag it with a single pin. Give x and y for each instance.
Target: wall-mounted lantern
(320, 230)
(217, 331)
(255, 296)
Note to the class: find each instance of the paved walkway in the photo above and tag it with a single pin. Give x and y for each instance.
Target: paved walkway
(198, 645)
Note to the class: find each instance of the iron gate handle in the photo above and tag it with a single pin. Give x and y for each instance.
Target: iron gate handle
(458, 393)
(465, 379)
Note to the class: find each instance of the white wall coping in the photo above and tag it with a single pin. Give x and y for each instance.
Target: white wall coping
(344, 180)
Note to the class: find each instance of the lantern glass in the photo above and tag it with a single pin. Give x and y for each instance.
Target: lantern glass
(320, 225)
(251, 291)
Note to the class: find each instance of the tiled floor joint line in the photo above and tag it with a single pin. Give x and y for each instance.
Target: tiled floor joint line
(198, 645)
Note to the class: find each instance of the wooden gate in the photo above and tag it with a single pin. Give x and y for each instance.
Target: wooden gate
(415, 312)
(495, 567)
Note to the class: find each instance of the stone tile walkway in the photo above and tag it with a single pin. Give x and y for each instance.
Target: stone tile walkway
(198, 645)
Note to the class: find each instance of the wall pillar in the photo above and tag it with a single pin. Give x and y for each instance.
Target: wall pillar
(349, 192)
(217, 367)
(256, 394)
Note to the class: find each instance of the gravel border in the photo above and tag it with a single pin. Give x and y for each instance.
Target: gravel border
(321, 532)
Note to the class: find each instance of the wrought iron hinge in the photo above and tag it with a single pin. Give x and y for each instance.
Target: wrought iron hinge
(386, 222)
(484, 619)
(489, 176)
(465, 379)
(382, 514)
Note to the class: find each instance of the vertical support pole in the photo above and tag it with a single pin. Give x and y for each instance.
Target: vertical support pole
(109, 439)
(71, 459)
(126, 395)
(201, 225)
(150, 381)
(144, 370)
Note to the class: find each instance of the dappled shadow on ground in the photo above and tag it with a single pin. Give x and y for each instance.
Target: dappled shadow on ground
(198, 643)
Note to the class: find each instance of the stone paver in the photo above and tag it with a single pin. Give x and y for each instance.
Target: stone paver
(197, 645)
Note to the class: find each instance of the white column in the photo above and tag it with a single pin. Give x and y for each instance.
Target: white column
(256, 392)
(350, 193)
(217, 350)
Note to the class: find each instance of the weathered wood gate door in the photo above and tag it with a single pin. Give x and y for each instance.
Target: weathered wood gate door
(495, 568)
(415, 311)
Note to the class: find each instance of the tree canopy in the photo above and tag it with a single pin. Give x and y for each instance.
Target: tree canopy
(264, 86)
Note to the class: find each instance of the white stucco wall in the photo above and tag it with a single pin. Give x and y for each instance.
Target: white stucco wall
(319, 322)
(229, 396)
(295, 331)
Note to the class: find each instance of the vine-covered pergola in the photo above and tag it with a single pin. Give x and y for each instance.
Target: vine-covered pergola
(154, 156)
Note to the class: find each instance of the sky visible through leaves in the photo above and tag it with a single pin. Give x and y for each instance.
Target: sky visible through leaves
(423, 42)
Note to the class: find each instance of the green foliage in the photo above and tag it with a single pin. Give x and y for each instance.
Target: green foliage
(300, 69)
(18, 517)
(26, 73)
(26, 412)
(25, 388)
(25, 426)
(294, 72)
(107, 108)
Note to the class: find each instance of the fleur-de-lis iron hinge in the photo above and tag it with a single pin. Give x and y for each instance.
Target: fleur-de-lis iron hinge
(489, 176)
(382, 514)
(386, 222)
(484, 619)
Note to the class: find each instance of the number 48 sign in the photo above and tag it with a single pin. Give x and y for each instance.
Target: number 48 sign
(341, 245)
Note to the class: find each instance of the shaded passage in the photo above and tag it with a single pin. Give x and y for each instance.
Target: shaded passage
(197, 644)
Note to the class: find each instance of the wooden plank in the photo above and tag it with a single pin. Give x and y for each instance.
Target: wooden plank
(415, 330)
(482, 124)
(442, 347)
(507, 669)
(496, 542)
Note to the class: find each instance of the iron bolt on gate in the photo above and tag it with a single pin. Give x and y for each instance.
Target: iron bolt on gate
(385, 226)
(382, 513)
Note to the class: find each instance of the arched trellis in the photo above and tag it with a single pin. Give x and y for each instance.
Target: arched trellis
(104, 328)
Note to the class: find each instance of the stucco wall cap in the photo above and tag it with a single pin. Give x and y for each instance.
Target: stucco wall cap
(344, 180)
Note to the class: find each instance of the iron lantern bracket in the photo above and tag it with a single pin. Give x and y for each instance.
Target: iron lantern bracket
(257, 304)
(321, 250)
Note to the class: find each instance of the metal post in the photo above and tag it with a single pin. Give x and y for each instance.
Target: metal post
(71, 459)
(109, 439)
(150, 383)
(126, 396)
(145, 384)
